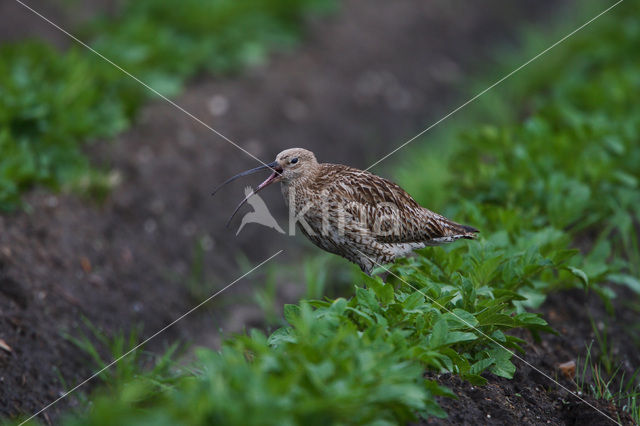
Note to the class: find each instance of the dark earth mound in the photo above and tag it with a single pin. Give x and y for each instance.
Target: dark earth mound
(531, 398)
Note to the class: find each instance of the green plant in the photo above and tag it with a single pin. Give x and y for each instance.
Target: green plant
(132, 364)
(568, 166)
(317, 276)
(554, 194)
(606, 356)
(48, 106)
(266, 296)
(602, 385)
(52, 103)
(198, 284)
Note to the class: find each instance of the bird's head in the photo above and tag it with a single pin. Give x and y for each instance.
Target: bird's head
(291, 165)
(294, 163)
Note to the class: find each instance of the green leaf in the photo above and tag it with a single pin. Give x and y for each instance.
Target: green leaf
(437, 389)
(461, 364)
(367, 298)
(562, 256)
(474, 379)
(338, 306)
(433, 410)
(503, 368)
(439, 333)
(459, 318)
(528, 318)
(281, 336)
(496, 319)
(630, 281)
(413, 301)
(487, 269)
(479, 366)
(291, 312)
(580, 274)
(459, 336)
(362, 315)
(383, 291)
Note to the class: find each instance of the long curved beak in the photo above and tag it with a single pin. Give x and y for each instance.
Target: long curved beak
(274, 177)
(273, 166)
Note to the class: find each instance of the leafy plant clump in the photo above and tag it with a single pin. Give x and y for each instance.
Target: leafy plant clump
(533, 185)
(52, 103)
(568, 168)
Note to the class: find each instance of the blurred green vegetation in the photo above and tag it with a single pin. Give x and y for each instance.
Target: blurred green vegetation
(552, 184)
(52, 103)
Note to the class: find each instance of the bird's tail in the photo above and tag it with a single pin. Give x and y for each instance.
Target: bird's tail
(470, 232)
(463, 231)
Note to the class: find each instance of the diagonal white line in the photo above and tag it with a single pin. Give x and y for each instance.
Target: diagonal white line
(76, 39)
(97, 373)
(180, 108)
(494, 84)
(493, 340)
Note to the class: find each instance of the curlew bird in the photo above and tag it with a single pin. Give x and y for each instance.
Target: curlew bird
(355, 214)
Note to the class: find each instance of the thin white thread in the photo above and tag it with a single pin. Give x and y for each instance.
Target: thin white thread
(494, 84)
(94, 375)
(77, 40)
(493, 340)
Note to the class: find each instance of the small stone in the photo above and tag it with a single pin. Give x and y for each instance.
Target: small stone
(4, 346)
(188, 229)
(114, 178)
(51, 201)
(568, 369)
(218, 105)
(96, 280)
(150, 226)
(85, 263)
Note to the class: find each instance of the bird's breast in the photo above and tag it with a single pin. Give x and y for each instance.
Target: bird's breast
(302, 201)
(284, 187)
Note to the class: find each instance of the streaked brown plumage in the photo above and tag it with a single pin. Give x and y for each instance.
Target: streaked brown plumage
(355, 214)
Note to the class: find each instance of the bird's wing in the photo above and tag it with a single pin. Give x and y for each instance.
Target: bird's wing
(387, 210)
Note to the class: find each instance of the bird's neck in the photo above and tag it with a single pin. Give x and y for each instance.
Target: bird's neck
(300, 185)
(306, 179)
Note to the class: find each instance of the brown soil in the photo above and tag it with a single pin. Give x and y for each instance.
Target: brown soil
(531, 398)
(363, 81)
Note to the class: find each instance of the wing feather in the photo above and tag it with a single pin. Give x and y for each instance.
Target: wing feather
(387, 207)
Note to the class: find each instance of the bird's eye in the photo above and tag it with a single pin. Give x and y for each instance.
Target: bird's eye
(294, 160)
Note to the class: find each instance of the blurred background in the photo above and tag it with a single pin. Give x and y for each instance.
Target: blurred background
(106, 216)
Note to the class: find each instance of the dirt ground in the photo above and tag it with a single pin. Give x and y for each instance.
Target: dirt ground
(362, 82)
(532, 399)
